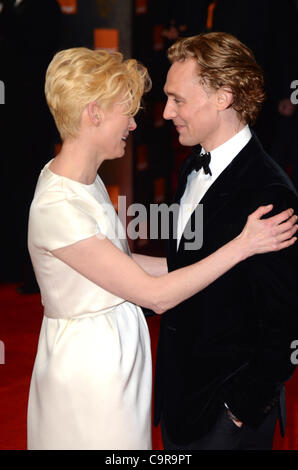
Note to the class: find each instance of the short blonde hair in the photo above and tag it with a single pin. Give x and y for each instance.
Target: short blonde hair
(79, 76)
(225, 62)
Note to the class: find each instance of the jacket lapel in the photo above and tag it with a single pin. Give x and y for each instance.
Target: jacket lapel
(184, 173)
(225, 186)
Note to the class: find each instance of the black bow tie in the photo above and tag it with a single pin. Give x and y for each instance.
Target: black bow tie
(201, 161)
(194, 162)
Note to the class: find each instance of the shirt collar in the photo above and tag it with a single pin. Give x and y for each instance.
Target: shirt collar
(222, 156)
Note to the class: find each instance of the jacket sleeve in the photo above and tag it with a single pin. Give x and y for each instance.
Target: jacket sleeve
(252, 392)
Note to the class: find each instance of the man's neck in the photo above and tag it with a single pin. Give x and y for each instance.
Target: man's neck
(226, 130)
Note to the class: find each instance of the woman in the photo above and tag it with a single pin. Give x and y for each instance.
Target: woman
(91, 383)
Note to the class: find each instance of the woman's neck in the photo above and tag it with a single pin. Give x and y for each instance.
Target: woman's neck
(77, 162)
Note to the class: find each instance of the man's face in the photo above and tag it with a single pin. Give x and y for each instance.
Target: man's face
(192, 109)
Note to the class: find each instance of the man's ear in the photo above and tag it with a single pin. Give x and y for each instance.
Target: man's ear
(224, 98)
(94, 113)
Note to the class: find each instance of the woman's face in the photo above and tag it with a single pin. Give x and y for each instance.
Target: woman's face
(114, 130)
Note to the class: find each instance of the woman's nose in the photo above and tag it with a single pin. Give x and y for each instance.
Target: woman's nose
(132, 124)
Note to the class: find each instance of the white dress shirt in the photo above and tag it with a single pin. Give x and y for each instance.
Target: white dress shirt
(198, 183)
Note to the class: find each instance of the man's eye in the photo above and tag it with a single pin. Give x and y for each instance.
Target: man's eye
(177, 101)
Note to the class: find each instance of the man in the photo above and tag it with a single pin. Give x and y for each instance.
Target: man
(224, 355)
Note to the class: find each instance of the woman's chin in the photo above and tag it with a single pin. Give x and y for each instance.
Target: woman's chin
(120, 155)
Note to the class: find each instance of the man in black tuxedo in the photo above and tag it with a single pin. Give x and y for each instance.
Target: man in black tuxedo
(224, 354)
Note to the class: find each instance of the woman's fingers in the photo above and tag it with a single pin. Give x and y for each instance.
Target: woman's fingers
(275, 219)
(261, 211)
(285, 226)
(286, 234)
(281, 217)
(286, 243)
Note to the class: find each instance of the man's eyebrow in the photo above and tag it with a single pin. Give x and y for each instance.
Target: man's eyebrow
(170, 93)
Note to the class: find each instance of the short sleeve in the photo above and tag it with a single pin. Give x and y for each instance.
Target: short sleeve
(57, 220)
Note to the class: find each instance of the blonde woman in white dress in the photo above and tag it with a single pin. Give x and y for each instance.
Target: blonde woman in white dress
(91, 384)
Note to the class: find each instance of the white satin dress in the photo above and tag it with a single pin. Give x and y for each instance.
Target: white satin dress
(92, 378)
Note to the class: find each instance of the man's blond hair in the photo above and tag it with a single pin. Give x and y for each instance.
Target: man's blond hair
(224, 62)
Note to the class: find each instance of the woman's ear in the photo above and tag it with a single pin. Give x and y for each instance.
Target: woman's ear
(94, 113)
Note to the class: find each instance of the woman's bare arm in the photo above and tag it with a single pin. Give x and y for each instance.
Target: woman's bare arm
(153, 265)
(107, 266)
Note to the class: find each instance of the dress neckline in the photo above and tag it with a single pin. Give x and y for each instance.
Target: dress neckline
(46, 168)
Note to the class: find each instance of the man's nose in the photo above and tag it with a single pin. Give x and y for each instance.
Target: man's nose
(169, 111)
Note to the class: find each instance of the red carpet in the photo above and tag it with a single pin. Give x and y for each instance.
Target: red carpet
(20, 321)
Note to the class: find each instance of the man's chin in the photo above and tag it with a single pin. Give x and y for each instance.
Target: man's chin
(185, 141)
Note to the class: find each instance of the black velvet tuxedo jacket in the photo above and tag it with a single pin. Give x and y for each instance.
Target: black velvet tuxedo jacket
(232, 341)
